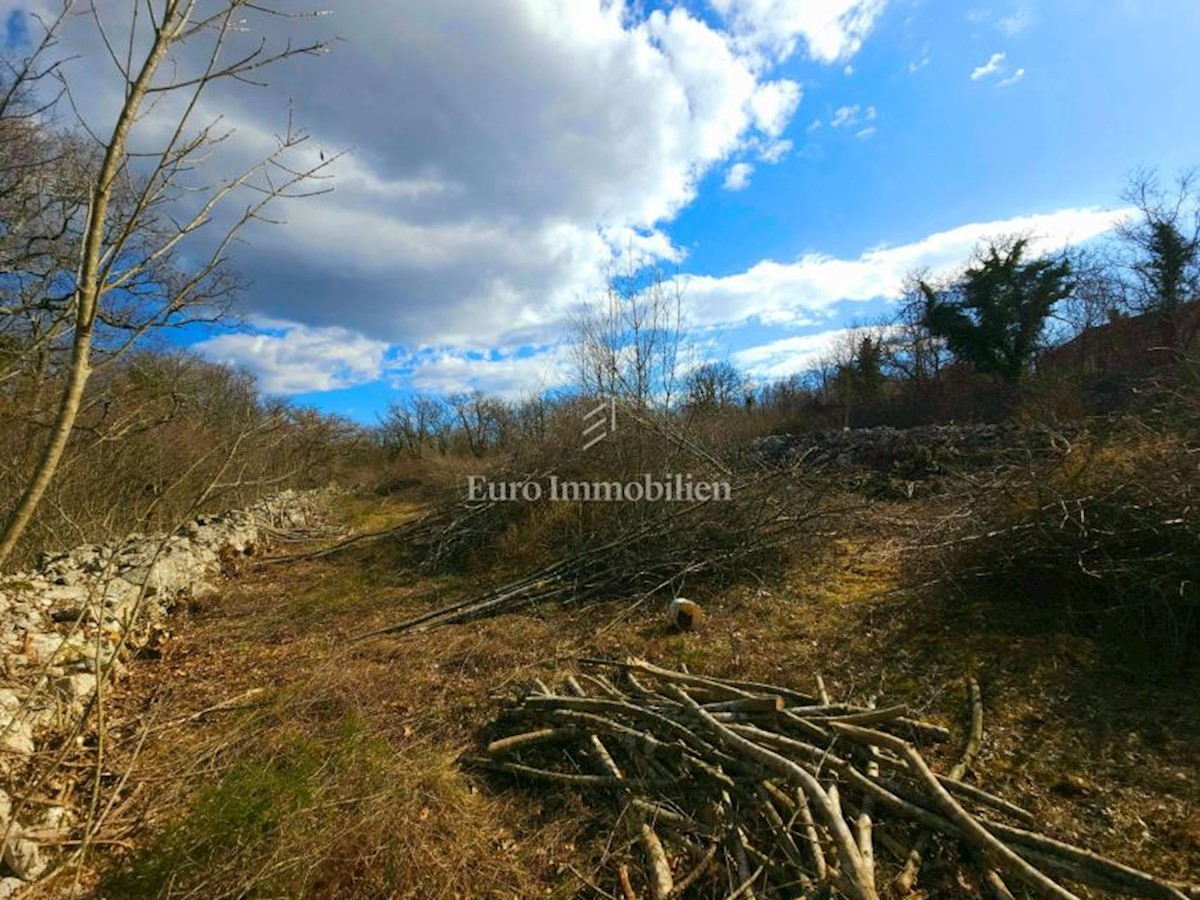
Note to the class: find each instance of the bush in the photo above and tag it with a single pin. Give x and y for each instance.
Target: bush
(1104, 539)
(576, 548)
(159, 431)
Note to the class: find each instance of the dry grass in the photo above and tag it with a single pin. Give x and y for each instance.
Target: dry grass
(339, 779)
(1106, 539)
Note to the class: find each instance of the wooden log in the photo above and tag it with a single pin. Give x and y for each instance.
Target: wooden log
(765, 704)
(973, 832)
(853, 879)
(660, 870)
(661, 881)
(529, 738)
(567, 778)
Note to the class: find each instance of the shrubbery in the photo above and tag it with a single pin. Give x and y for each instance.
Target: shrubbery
(158, 434)
(1107, 538)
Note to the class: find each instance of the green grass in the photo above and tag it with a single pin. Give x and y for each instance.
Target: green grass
(239, 817)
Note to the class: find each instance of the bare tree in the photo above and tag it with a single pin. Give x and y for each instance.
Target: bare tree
(484, 422)
(715, 385)
(415, 424)
(1100, 294)
(125, 272)
(850, 373)
(910, 350)
(629, 342)
(1163, 242)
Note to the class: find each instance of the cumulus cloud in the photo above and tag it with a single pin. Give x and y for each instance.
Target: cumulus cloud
(785, 356)
(501, 154)
(800, 292)
(293, 358)
(480, 207)
(997, 66)
(993, 66)
(830, 30)
(290, 358)
(509, 375)
(775, 151)
(852, 116)
(738, 176)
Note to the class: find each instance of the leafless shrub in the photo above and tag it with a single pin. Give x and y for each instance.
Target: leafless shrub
(1105, 538)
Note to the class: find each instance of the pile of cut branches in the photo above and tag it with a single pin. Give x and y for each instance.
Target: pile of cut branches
(619, 549)
(737, 789)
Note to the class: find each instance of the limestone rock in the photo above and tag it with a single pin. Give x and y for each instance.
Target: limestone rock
(62, 622)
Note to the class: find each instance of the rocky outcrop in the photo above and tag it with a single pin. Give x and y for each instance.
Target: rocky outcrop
(72, 620)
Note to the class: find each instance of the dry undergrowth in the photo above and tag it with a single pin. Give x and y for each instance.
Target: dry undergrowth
(329, 770)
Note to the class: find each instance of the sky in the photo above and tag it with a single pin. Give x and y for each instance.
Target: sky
(790, 160)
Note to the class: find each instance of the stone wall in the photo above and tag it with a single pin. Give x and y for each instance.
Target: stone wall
(914, 452)
(73, 619)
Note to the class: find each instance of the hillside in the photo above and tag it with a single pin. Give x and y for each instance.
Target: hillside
(262, 746)
(692, 450)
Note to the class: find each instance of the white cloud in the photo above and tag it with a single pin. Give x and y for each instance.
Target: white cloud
(852, 116)
(288, 358)
(511, 376)
(476, 211)
(865, 133)
(773, 104)
(917, 65)
(1011, 79)
(775, 151)
(503, 153)
(993, 66)
(1019, 20)
(800, 292)
(848, 71)
(292, 358)
(831, 30)
(998, 66)
(786, 356)
(738, 176)
(844, 115)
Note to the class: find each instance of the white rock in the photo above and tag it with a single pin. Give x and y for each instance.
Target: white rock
(121, 586)
(24, 858)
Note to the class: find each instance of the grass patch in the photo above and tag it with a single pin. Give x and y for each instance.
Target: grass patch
(237, 819)
(345, 784)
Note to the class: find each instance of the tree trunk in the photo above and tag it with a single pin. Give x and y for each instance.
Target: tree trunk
(88, 291)
(64, 422)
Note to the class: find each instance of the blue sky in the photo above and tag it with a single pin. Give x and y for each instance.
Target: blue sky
(792, 159)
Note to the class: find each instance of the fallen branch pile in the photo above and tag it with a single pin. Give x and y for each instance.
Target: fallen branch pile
(739, 790)
(626, 549)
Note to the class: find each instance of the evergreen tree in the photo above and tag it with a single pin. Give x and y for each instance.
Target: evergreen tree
(993, 316)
